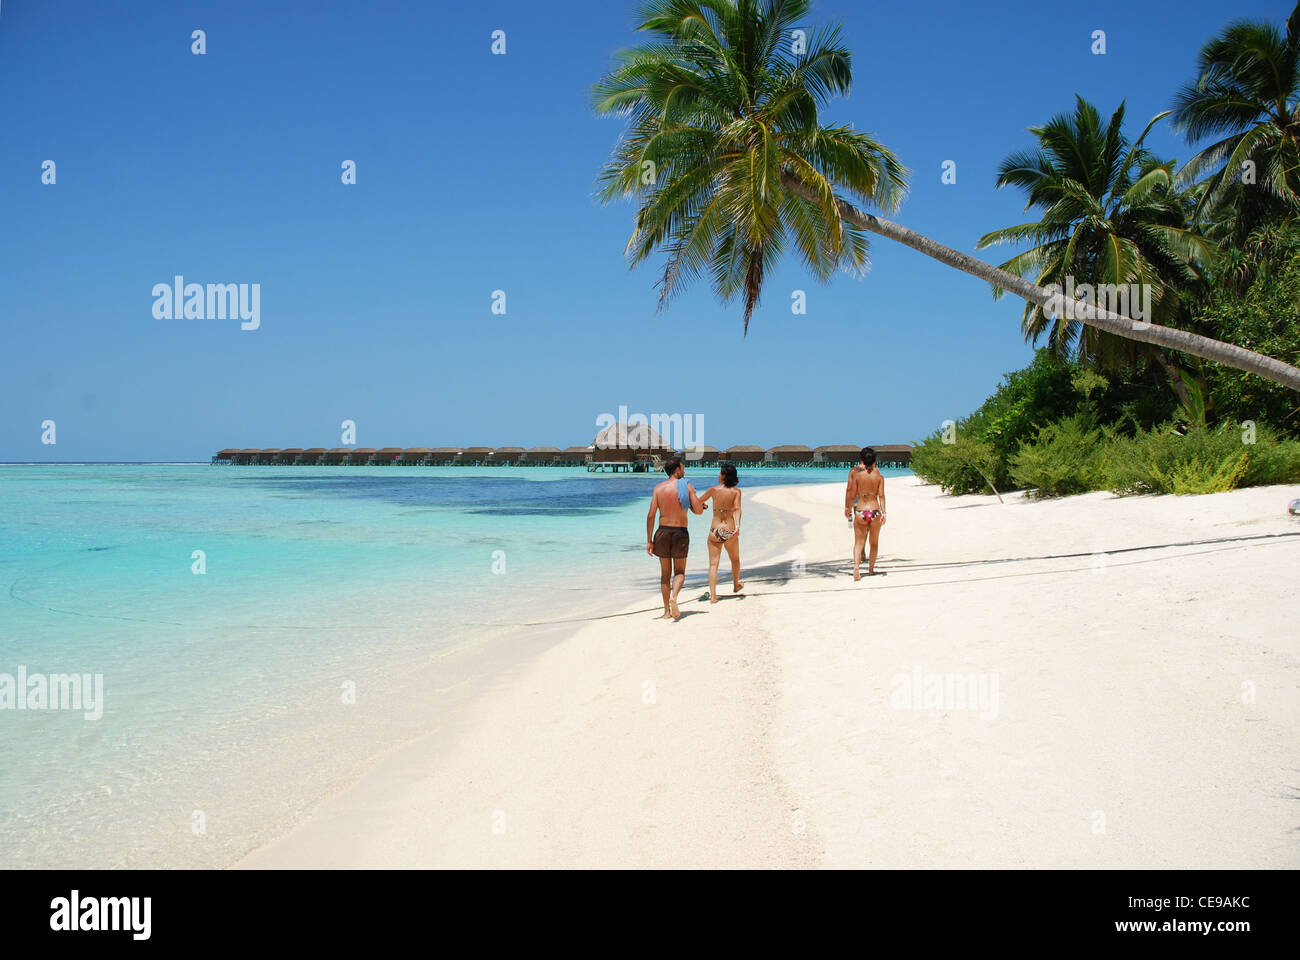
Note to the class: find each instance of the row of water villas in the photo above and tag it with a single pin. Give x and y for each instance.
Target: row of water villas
(595, 459)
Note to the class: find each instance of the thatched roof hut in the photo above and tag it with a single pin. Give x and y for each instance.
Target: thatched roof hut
(414, 455)
(542, 456)
(744, 454)
(639, 437)
(337, 455)
(575, 456)
(225, 456)
(837, 454)
(361, 455)
(247, 455)
(443, 456)
(790, 453)
(621, 443)
(289, 455)
(312, 456)
(386, 455)
(508, 455)
(268, 456)
(477, 456)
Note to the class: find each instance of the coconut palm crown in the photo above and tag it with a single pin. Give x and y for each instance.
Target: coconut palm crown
(723, 102)
(1109, 215)
(1247, 95)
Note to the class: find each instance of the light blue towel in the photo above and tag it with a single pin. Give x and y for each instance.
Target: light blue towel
(683, 495)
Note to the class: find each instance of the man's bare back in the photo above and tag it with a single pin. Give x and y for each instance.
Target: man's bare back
(671, 513)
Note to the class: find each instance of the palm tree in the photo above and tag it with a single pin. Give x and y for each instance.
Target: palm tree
(719, 113)
(1247, 93)
(1109, 215)
(728, 161)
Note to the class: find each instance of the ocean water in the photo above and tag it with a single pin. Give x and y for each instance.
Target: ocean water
(326, 627)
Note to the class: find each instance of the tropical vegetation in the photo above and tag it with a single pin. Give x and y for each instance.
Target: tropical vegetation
(730, 164)
(1190, 386)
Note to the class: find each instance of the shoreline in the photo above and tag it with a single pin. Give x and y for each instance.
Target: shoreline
(246, 714)
(491, 666)
(1130, 658)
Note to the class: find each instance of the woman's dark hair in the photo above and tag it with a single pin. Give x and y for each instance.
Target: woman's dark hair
(729, 478)
(868, 457)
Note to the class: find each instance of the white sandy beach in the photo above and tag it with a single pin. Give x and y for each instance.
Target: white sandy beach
(1136, 705)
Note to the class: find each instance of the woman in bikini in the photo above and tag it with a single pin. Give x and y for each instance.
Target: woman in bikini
(864, 503)
(726, 528)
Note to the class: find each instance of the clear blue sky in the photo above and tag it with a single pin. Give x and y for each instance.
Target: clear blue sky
(475, 173)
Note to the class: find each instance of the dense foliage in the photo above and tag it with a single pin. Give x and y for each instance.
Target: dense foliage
(1057, 428)
(1253, 300)
(1222, 236)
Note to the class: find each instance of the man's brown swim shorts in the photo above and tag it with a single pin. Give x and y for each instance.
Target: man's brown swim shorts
(672, 542)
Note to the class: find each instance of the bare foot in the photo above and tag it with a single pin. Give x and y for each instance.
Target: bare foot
(675, 609)
(856, 576)
(736, 588)
(712, 599)
(667, 616)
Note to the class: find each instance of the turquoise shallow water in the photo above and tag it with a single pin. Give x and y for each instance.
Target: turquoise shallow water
(224, 692)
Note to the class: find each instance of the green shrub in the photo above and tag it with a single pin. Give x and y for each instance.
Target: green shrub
(1202, 460)
(1073, 456)
(1045, 392)
(1197, 476)
(1064, 459)
(1273, 459)
(955, 466)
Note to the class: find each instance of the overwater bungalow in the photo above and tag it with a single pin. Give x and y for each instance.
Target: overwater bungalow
(542, 456)
(337, 456)
(477, 456)
(615, 455)
(789, 454)
(414, 456)
(312, 456)
(620, 448)
(246, 456)
(894, 454)
(289, 455)
(267, 457)
(225, 456)
(837, 455)
(703, 456)
(386, 456)
(509, 456)
(443, 456)
(361, 456)
(745, 455)
(575, 456)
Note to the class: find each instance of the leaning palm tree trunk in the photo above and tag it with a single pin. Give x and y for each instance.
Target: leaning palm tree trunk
(1171, 337)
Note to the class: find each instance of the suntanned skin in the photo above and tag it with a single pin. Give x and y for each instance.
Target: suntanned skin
(726, 515)
(672, 572)
(866, 487)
